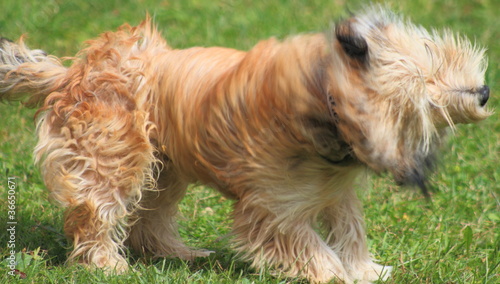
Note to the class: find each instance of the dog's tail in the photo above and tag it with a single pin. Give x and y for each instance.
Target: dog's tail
(28, 75)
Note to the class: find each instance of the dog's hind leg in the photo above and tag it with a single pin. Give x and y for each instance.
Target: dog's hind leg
(95, 161)
(155, 230)
(344, 225)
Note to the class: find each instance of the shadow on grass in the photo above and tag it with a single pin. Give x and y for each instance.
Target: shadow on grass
(223, 266)
(31, 234)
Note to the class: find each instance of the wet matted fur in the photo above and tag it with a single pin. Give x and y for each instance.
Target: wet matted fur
(283, 129)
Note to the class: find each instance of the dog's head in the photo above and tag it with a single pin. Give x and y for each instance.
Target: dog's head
(396, 86)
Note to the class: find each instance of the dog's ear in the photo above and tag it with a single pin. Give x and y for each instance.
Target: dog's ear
(353, 44)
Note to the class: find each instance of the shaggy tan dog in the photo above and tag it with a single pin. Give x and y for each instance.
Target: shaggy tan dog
(283, 129)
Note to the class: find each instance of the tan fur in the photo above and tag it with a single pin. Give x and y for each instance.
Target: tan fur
(284, 129)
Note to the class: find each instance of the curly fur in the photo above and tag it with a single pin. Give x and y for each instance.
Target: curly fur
(284, 129)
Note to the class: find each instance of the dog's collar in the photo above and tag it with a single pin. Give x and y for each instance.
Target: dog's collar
(348, 159)
(331, 103)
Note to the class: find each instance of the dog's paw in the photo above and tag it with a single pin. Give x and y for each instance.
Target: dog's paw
(372, 272)
(110, 265)
(192, 254)
(201, 253)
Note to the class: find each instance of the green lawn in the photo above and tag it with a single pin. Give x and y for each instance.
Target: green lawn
(456, 239)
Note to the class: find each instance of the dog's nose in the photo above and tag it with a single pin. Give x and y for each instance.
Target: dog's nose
(484, 93)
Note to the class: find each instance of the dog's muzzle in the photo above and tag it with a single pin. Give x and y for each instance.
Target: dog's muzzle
(484, 95)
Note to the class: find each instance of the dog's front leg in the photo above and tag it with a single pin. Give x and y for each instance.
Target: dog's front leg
(344, 225)
(276, 230)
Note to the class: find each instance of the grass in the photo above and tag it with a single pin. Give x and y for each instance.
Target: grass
(456, 239)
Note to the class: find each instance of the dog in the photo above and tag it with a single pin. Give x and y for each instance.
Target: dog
(284, 130)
